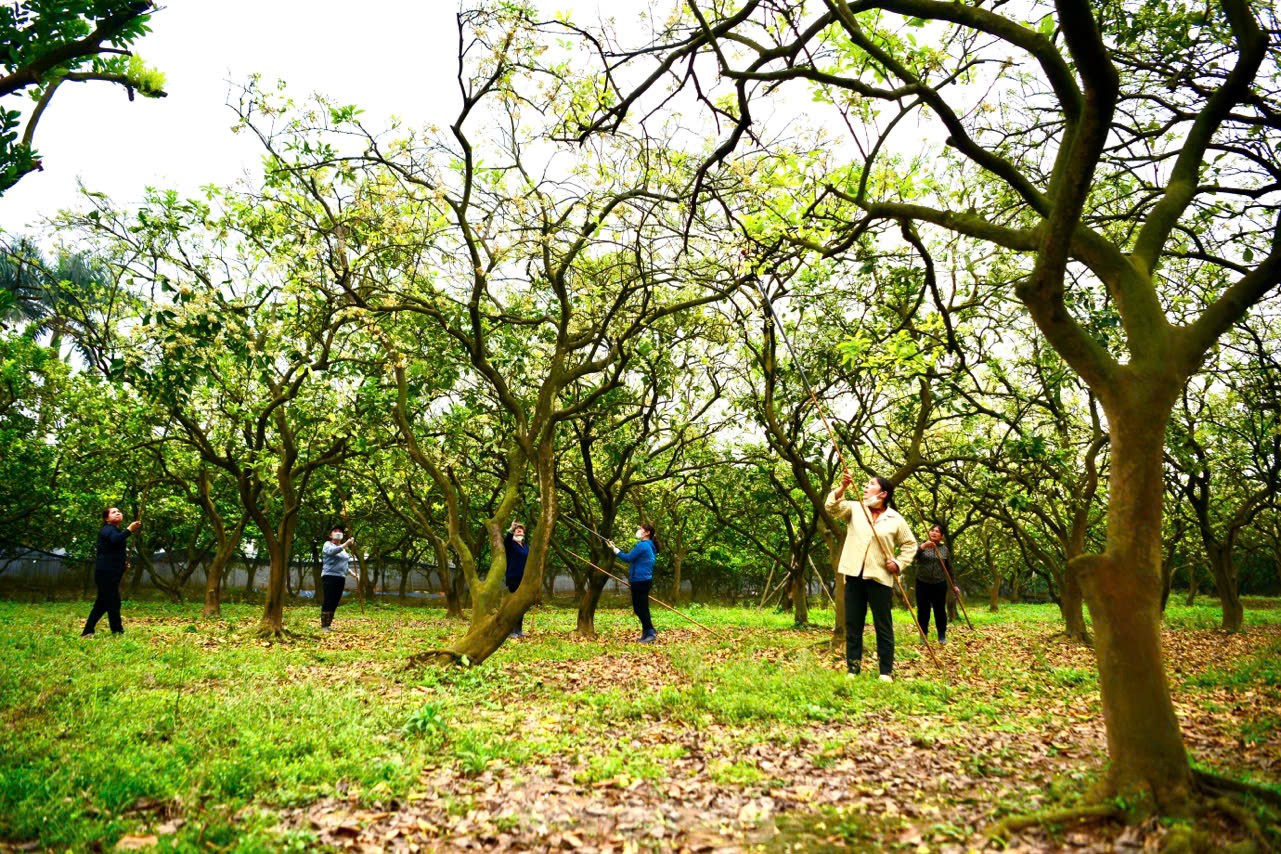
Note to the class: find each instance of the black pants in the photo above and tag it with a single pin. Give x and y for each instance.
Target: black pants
(108, 601)
(859, 594)
(640, 604)
(932, 595)
(333, 586)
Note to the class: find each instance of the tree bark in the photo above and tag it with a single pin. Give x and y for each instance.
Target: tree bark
(1122, 588)
(494, 615)
(1223, 571)
(273, 615)
(450, 582)
(835, 543)
(215, 570)
(1071, 605)
(586, 623)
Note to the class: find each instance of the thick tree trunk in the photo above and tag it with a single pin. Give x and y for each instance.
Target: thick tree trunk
(1167, 583)
(1123, 589)
(494, 615)
(1071, 605)
(214, 574)
(834, 546)
(1224, 572)
(603, 557)
(1194, 585)
(586, 625)
(273, 615)
(453, 597)
(450, 582)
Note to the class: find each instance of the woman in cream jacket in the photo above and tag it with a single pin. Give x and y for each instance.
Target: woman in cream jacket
(878, 544)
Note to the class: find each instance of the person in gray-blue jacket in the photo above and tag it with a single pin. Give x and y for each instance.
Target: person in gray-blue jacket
(335, 563)
(640, 576)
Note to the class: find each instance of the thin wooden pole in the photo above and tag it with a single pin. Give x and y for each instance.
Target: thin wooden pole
(652, 598)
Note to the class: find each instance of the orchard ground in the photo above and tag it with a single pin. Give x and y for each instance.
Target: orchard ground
(193, 734)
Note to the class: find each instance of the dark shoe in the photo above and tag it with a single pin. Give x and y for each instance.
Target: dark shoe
(853, 670)
(516, 635)
(649, 637)
(86, 634)
(942, 639)
(326, 620)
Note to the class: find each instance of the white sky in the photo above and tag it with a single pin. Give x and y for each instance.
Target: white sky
(390, 57)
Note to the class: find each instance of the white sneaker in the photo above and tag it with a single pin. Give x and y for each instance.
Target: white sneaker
(885, 677)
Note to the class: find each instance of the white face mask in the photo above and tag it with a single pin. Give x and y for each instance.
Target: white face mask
(336, 536)
(640, 533)
(520, 538)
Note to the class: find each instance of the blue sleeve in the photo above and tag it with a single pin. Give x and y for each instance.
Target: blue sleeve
(639, 550)
(118, 536)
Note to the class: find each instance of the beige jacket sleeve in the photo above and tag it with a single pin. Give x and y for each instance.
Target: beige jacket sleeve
(840, 509)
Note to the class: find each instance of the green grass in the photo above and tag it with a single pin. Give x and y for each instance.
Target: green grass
(224, 729)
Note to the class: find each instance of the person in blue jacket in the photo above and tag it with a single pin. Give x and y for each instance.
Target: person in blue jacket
(640, 576)
(517, 554)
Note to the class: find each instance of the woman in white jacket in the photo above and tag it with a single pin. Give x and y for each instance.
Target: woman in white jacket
(878, 544)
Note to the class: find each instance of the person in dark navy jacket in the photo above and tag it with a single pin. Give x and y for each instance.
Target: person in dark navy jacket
(517, 553)
(108, 569)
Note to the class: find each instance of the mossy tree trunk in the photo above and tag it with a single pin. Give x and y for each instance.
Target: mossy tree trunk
(1122, 586)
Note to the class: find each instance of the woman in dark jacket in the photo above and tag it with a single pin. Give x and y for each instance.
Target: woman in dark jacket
(109, 568)
(640, 576)
(517, 554)
(931, 582)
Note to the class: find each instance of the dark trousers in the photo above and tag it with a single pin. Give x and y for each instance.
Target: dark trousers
(932, 595)
(859, 595)
(108, 601)
(640, 604)
(333, 586)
